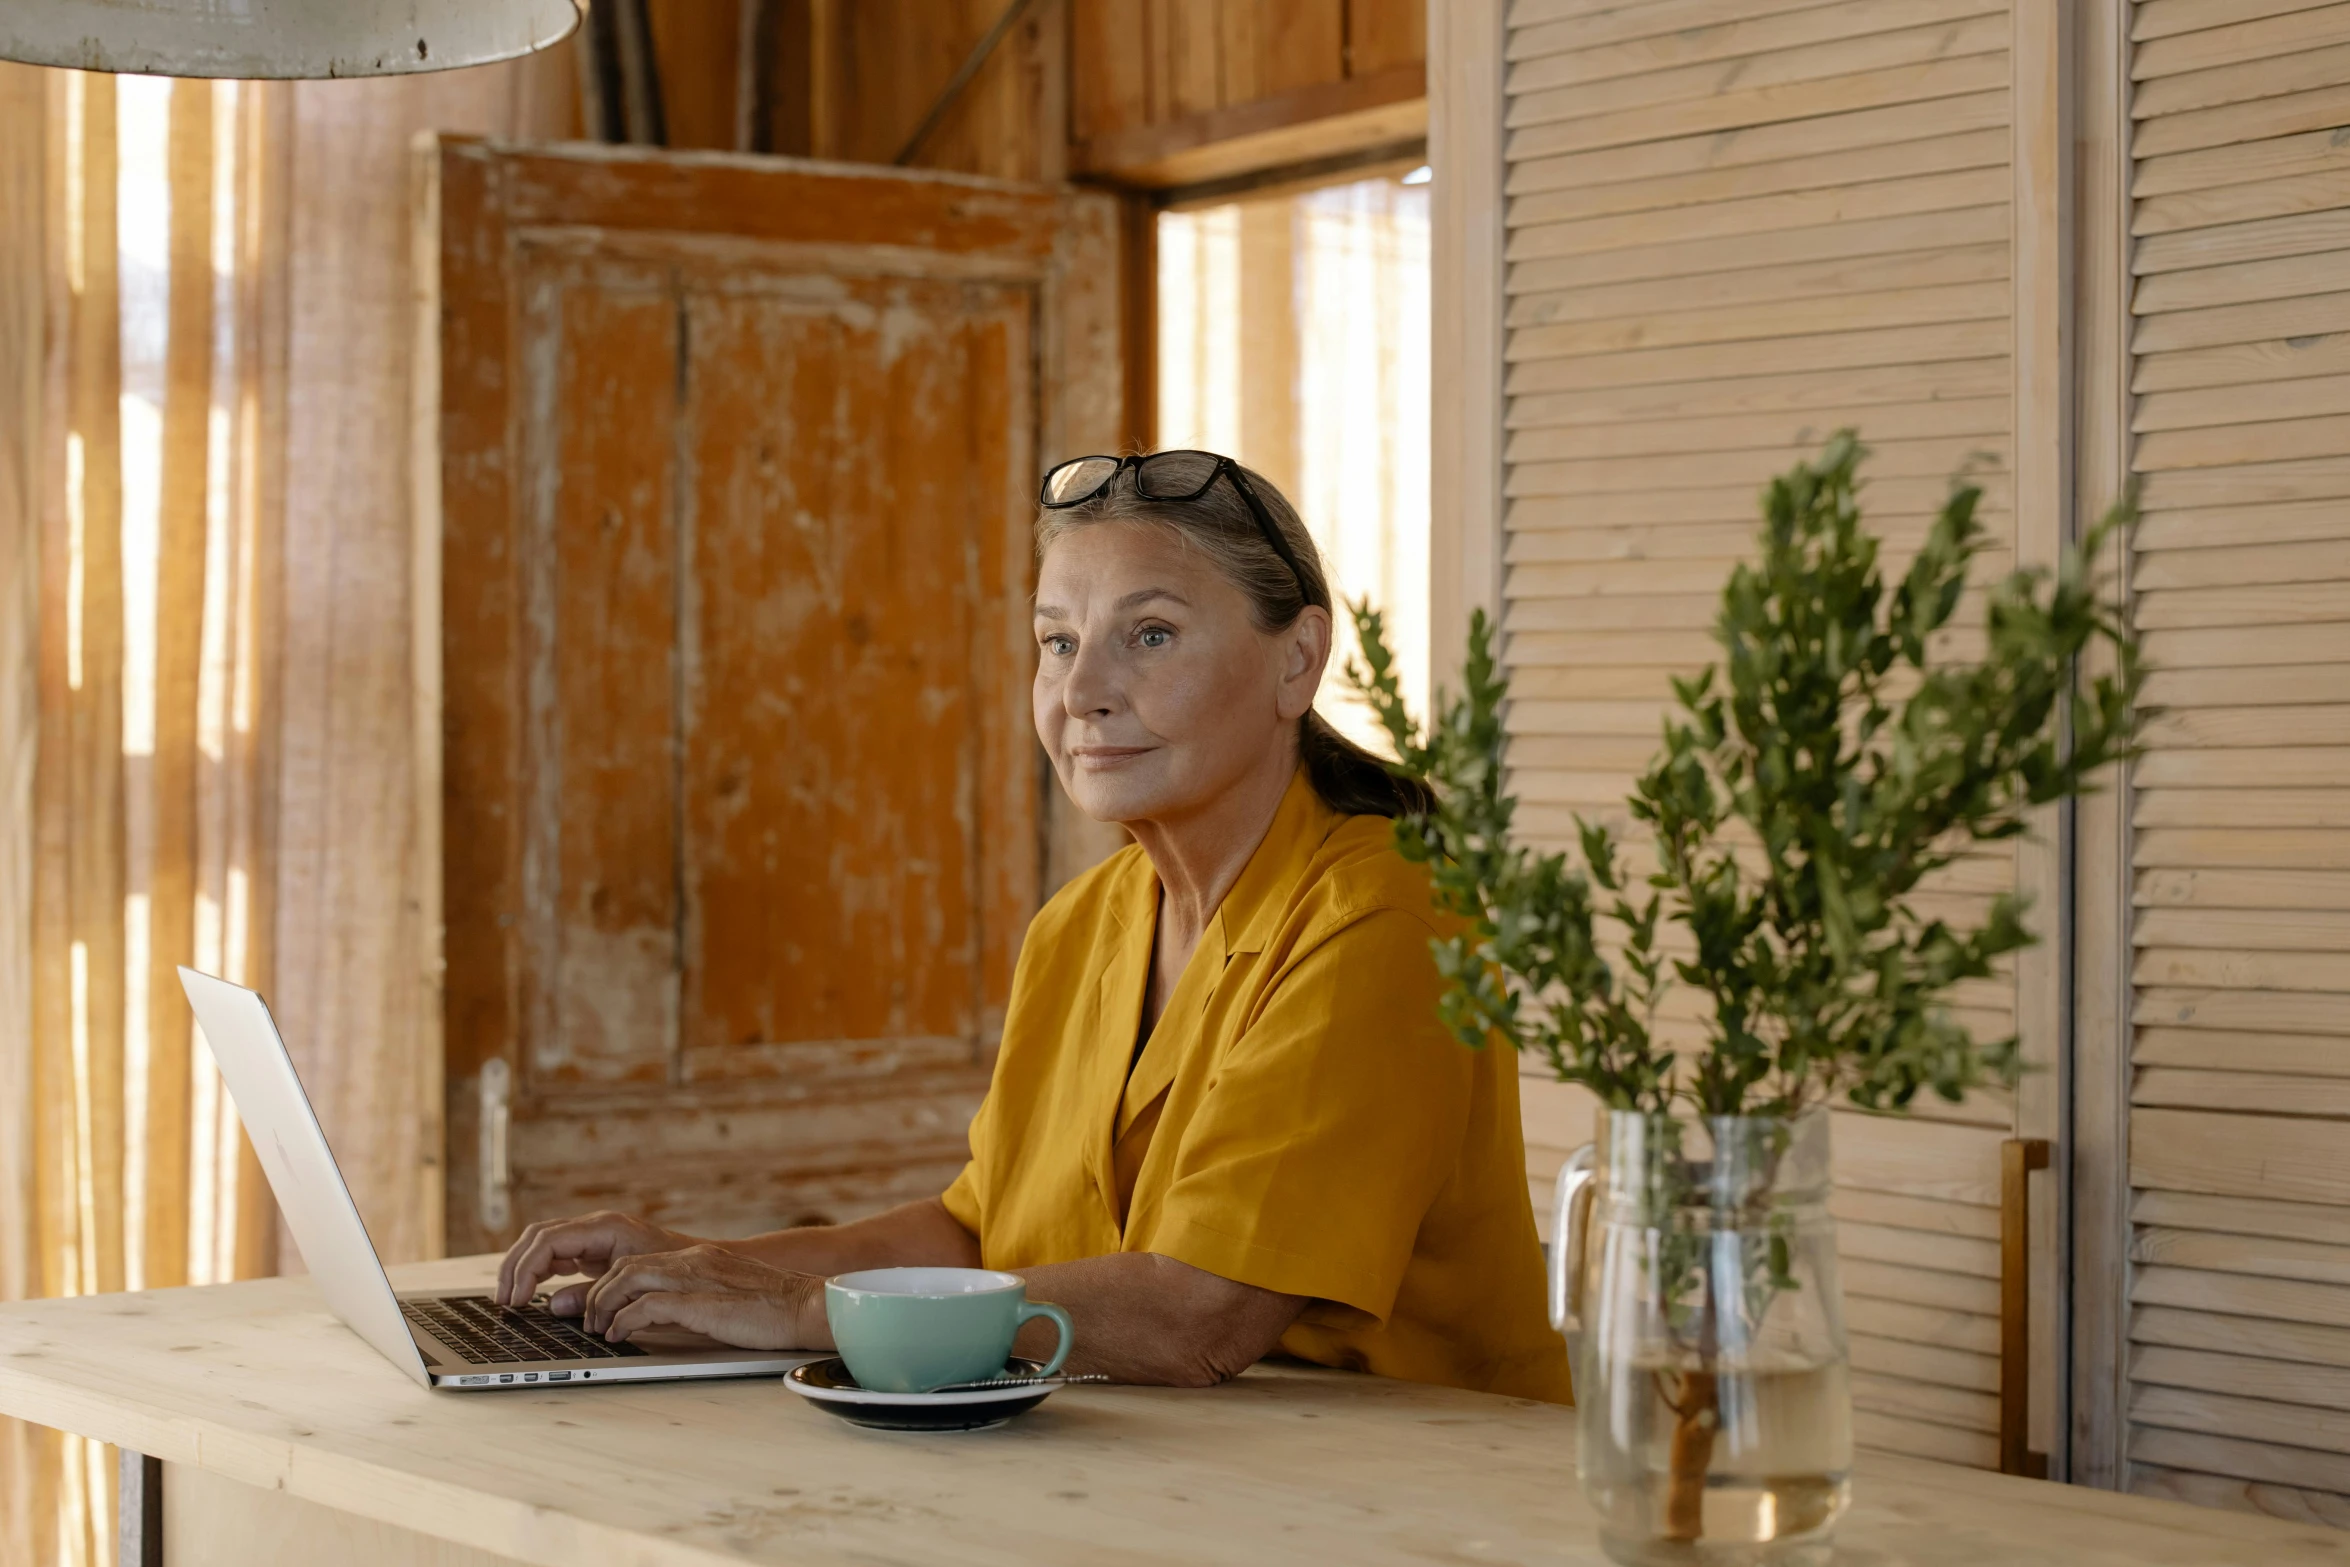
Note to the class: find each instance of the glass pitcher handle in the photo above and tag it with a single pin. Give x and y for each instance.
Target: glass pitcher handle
(1570, 1209)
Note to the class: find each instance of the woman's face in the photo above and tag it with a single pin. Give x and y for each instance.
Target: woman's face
(1155, 691)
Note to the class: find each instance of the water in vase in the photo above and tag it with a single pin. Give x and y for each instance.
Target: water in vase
(1724, 1470)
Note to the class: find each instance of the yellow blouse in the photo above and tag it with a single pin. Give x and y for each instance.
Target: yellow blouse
(1300, 1120)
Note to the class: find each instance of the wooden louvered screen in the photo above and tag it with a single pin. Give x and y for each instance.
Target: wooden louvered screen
(2239, 1147)
(1732, 227)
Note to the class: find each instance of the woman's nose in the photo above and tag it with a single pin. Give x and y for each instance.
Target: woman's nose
(1092, 689)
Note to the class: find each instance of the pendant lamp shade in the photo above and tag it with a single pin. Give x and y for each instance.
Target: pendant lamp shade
(264, 39)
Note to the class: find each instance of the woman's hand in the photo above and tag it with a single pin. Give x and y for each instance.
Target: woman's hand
(590, 1244)
(708, 1289)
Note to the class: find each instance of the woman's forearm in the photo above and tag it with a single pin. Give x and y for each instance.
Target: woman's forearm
(764, 1291)
(599, 1245)
(912, 1235)
(1145, 1318)
(1139, 1317)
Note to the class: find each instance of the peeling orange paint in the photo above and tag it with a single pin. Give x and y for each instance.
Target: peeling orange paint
(743, 817)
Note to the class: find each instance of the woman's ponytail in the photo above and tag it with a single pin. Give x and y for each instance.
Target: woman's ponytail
(1351, 780)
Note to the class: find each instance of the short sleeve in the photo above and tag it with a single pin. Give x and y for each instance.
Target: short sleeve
(966, 1195)
(1328, 1129)
(1027, 1192)
(962, 1199)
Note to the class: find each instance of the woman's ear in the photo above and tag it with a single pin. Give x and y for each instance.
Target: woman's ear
(1305, 649)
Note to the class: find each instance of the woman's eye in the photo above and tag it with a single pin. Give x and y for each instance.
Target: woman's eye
(1060, 646)
(1155, 636)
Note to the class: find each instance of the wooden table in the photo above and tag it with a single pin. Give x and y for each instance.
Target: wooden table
(284, 1438)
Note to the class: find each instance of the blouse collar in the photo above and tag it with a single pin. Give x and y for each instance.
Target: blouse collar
(1251, 912)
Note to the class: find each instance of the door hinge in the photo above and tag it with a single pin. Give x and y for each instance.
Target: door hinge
(496, 1092)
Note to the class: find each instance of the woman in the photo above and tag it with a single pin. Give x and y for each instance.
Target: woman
(1225, 1118)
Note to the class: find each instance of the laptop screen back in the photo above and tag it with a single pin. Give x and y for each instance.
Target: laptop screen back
(301, 1169)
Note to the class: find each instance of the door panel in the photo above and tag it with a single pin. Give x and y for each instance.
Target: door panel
(836, 819)
(728, 498)
(2232, 898)
(603, 612)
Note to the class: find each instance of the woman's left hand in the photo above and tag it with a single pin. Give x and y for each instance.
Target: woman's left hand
(709, 1289)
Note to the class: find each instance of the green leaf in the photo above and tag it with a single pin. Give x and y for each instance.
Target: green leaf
(1851, 760)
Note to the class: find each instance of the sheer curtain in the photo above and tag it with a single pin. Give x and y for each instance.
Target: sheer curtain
(140, 395)
(1293, 335)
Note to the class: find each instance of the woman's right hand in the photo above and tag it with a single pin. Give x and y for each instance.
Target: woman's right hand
(551, 1248)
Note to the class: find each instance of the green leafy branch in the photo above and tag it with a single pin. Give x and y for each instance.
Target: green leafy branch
(1807, 786)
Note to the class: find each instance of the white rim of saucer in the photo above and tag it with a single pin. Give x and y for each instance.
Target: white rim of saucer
(861, 1395)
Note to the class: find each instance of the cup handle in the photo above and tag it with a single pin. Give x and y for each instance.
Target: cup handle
(1030, 1310)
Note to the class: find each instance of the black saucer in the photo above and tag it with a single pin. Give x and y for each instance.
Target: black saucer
(828, 1385)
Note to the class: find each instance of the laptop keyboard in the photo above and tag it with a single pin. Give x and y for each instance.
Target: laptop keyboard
(487, 1334)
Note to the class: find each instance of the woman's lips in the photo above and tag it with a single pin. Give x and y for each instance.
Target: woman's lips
(1099, 757)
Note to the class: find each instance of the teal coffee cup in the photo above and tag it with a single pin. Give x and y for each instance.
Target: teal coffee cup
(908, 1330)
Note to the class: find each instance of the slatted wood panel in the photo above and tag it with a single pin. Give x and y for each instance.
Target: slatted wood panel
(1733, 227)
(2240, 1155)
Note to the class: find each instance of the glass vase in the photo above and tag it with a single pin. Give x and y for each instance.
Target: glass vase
(1693, 1270)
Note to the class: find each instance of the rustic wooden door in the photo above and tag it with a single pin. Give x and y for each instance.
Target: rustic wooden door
(725, 480)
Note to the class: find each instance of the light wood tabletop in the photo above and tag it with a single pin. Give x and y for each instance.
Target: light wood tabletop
(255, 1385)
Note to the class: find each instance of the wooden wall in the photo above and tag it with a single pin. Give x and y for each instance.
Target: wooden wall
(23, 297)
(698, 44)
(355, 961)
(1145, 93)
(1171, 92)
(880, 64)
(852, 79)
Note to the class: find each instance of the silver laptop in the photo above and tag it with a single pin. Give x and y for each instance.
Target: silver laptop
(442, 1340)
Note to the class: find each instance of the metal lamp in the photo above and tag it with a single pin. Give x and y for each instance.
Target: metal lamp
(261, 39)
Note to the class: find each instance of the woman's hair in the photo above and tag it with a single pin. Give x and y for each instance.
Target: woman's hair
(1348, 778)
